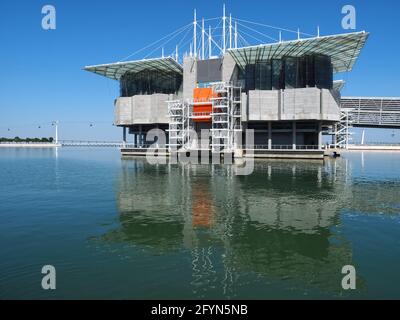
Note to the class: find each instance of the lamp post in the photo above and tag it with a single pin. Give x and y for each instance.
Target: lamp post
(55, 124)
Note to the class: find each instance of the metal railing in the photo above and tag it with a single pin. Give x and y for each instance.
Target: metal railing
(144, 146)
(281, 147)
(372, 112)
(384, 144)
(117, 144)
(200, 115)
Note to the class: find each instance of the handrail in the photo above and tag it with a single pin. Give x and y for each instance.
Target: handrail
(281, 147)
(200, 114)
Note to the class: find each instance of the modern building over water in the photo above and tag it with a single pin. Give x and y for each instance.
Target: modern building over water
(285, 91)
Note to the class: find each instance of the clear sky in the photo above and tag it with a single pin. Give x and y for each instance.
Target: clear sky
(41, 77)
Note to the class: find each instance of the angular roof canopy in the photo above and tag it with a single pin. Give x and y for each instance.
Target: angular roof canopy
(343, 49)
(117, 70)
(338, 85)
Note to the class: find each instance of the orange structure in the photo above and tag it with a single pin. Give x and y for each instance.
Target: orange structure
(203, 209)
(202, 104)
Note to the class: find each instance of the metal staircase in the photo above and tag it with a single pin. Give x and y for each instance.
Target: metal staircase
(342, 132)
(177, 131)
(226, 117)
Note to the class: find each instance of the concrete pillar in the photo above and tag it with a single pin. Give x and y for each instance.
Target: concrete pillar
(143, 138)
(269, 135)
(319, 135)
(294, 134)
(140, 142)
(124, 136)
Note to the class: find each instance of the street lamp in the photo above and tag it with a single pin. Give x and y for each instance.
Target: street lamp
(55, 124)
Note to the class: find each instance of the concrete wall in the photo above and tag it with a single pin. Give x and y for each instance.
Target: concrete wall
(142, 109)
(189, 77)
(263, 105)
(290, 104)
(190, 73)
(228, 67)
(123, 111)
(330, 105)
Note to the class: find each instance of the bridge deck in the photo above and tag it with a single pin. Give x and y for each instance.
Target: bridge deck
(372, 112)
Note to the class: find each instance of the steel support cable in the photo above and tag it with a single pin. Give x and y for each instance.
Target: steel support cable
(244, 41)
(251, 36)
(206, 33)
(155, 42)
(273, 27)
(164, 43)
(184, 37)
(256, 31)
(214, 36)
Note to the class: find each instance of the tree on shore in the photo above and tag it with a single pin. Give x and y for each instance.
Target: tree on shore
(18, 139)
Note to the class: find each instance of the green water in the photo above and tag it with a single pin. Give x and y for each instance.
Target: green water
(124, 229)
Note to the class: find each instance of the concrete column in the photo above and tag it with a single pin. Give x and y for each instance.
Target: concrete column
(140, 142)
(294, 134)
(319, 135)
(269, 135)
(143, 138)
(124, 136)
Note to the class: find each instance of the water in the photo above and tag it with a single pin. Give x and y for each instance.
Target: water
(123, 229)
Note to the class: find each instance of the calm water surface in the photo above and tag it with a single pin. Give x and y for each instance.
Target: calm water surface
(124, 229)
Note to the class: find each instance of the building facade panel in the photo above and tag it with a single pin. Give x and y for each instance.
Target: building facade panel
(123, 111)
(141, 109)
(290, 104)
(189, 77)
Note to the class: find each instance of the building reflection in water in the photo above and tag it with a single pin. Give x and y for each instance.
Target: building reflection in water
(278, 223)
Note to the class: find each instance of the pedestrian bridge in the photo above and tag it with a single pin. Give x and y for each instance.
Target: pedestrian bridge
(85, 143)
(372, 112)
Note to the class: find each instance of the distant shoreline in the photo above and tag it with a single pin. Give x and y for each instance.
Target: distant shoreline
(29, 145)
(373, 148)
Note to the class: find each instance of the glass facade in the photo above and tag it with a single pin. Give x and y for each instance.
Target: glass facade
(149, 82)
(289, 73)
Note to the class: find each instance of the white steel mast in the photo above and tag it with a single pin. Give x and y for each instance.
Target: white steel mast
(223, 31)
(236, 35)
(202, 39)
(230, 31)
(209, 42)
(195, 34)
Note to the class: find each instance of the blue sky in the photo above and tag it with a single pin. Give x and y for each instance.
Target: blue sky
(42, 77)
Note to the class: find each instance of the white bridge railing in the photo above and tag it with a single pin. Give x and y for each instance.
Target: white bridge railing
(84, 143)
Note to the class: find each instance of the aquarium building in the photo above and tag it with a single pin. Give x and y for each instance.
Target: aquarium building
(285, 91)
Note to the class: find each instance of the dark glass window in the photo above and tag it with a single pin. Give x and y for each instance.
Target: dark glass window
(277, 75)
(290, 73)
(301, 79)
(263, 75)
(309, 71)
(323, 72)
(149, 82)
(250, 77)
